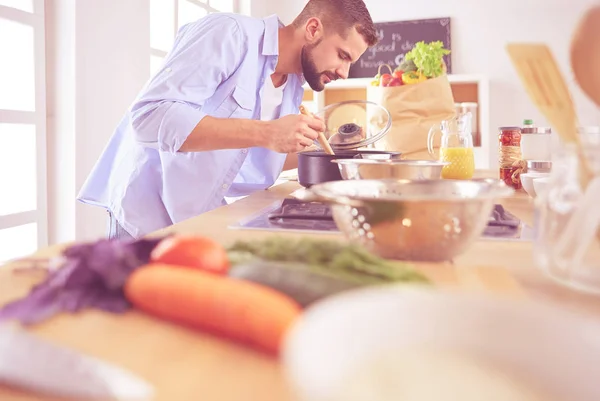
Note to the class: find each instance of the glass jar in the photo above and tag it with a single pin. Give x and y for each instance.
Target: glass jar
(536, 143)
(567, 218)
(509, 141)
(539, 166)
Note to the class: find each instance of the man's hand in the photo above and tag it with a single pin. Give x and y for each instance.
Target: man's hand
(293, 133)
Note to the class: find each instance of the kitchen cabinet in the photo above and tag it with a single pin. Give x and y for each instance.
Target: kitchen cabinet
(465, 88)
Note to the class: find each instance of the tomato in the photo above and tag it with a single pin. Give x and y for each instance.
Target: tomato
(398, 74)
(385, 79)
(395, 82)
(192, 251)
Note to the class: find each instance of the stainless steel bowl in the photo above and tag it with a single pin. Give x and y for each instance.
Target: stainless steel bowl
(370, 169)
(418, 220)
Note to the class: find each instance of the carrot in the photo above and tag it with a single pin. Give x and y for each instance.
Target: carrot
(243, 311)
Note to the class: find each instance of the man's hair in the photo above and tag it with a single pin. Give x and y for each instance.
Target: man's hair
(340, 16)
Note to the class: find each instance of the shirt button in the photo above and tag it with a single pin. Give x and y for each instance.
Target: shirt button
(168, 69)
(224, 186)
(244, 151)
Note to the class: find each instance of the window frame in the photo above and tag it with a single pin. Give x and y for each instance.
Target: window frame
(37, 118)
(237, 7)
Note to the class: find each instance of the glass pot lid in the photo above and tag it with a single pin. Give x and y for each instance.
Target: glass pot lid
(354, 124)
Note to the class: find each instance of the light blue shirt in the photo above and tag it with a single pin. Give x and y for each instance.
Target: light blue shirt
(217, 67)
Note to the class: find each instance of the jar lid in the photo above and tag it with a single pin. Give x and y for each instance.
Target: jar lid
(354, 124)
(469, 104)
(536, 130)
(539, 165)
(527, 122)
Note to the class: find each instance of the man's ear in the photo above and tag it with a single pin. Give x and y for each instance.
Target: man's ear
(313, 30)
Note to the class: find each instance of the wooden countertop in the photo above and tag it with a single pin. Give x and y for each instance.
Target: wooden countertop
(188, 365)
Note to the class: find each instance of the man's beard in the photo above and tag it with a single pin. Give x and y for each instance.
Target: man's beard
(309, 68)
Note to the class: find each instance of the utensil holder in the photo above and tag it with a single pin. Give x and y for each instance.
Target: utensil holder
(567, 221)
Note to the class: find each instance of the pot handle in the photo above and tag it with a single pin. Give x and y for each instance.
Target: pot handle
(306, 195)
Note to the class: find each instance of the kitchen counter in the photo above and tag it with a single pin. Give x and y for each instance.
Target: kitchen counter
(189, 365)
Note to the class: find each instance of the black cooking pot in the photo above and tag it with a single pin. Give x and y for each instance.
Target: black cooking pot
(315, 167)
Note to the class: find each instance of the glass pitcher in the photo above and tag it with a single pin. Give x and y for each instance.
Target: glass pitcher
(456, 147)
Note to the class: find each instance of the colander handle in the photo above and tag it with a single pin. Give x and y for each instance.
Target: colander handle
(306, 195)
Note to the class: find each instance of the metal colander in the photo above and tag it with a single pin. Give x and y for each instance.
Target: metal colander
(420, 220)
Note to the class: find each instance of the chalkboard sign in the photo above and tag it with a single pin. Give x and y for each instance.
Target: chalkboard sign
(398, 38)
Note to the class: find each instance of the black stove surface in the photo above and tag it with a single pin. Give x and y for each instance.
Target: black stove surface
(292, 214)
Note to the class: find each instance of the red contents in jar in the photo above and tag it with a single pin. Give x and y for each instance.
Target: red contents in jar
(506, 175)
(510, 136)
(509, 140)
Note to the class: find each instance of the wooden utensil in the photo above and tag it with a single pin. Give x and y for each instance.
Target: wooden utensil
(322, 140)
(545, 85)
(585, 54)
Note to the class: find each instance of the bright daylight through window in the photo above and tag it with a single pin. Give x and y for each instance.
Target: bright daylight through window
(23, 218)
(167, 16)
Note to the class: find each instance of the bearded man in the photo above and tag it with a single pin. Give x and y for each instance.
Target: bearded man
(220, 117)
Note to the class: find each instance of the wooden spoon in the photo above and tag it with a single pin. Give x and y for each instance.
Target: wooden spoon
(585, 54)
(322, 140)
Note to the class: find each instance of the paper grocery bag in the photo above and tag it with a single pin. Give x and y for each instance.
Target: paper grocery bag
(414, 109)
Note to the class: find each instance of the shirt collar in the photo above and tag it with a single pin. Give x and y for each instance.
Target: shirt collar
(270, 45)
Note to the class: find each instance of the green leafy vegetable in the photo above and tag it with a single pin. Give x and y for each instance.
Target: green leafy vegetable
(428, 57)
(407, 65)
(350, 262)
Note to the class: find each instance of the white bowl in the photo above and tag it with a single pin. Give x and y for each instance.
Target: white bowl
(527, 181)
(329, 353)
(540, 185)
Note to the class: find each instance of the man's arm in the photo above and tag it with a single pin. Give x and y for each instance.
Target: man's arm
(170, 108)
(291, 133)
(226, 133)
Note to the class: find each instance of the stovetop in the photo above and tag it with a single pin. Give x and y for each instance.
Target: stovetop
(294, 215)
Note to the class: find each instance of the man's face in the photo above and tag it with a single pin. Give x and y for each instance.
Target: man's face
(329, 58)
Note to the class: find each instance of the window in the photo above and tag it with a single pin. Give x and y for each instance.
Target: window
(23, 215)
(167, 16)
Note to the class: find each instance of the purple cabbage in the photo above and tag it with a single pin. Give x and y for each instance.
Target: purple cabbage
(91, 275)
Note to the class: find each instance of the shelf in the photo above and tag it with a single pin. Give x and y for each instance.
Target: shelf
(359, 83)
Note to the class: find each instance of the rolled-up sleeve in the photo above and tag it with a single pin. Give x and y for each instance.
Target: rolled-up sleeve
(205, 54)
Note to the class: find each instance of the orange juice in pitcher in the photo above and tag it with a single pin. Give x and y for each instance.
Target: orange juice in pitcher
(456, 147)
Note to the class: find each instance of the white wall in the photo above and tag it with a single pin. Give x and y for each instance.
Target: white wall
(98, 59)
(480, 30)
